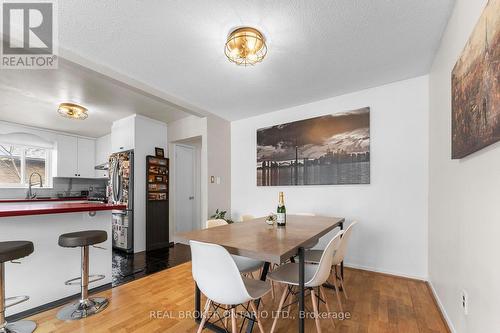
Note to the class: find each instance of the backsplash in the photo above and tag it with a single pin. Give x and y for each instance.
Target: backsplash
(61, 187)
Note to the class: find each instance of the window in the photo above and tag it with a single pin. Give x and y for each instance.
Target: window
(18, 162)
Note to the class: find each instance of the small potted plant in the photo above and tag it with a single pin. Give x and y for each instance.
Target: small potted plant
(221, 215)
(271, 218)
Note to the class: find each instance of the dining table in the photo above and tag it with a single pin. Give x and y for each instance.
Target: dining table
(270, 243)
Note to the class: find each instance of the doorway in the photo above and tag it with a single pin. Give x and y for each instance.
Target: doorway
(187, 186)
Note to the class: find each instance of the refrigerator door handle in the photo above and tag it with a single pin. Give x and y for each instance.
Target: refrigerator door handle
(112, 172)
(116, 181)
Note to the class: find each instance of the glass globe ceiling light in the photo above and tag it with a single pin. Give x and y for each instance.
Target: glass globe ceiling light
(245, 46)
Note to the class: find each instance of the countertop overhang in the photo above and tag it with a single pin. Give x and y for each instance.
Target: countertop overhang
(43, 208)
(44, 199)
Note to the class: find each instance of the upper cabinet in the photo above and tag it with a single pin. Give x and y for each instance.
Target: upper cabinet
(102, 152)
(67, 156)
(86, 158)
(75, 157)
(123, 134)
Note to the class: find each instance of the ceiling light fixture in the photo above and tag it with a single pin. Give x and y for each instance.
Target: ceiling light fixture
(73, 111)
(245, 46)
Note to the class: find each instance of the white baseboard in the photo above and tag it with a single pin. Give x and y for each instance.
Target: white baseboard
(373, 269)
(441, 307)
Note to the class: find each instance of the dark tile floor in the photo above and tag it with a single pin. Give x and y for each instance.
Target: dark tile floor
(128, 267)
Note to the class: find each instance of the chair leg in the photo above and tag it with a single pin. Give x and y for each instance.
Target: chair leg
(316, 312)
(344, 291)
(204, 316)
(226, 314)
(323, 295)
(256, 314)
(280, 306)
(272, 282)
(337, 291)
(234, 328)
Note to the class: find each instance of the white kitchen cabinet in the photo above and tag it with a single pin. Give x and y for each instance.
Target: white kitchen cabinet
(86, 158)
(102, 152)
(67, 156)
(75, 157)
(123, 134)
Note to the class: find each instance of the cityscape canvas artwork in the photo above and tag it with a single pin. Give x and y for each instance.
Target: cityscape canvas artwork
(476, 87)
(328, 150)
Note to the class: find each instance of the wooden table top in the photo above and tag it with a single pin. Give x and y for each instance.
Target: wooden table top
(256, 239)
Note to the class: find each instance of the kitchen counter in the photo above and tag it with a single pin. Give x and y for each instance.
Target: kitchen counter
(40, 208)
(44, 199)
(41, 275)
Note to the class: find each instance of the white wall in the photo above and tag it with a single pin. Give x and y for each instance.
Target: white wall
(219, 164)
(215, 134)
(188, 128)
(392, 235)
(464, 201)
(149, 134)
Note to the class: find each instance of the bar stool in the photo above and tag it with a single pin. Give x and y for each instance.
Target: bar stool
(10, 251)
(86, 306)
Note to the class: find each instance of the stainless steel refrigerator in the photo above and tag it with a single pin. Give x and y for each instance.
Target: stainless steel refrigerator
(121, 190)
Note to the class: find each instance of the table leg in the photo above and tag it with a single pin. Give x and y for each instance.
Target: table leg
(301, 289)
(342, 263)
(263, 277)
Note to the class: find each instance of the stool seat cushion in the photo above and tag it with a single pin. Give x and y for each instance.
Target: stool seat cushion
(83, 238)
(14, 250)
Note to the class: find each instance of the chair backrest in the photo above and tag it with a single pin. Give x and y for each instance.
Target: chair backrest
(325, 263)
(217, 275)
(246, 217)
(340, 254)
(215, 223)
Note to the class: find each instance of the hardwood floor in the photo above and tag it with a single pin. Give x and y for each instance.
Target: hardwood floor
(156, 303)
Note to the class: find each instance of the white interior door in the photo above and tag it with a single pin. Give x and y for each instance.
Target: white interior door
(185, 210)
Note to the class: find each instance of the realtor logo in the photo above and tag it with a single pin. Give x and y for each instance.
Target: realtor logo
(28, 35)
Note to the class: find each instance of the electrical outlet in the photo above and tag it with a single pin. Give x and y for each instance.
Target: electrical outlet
(465, 302)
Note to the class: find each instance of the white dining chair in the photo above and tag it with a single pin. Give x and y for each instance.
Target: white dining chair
(314, 256)
(245, 265)
(308, 245)
(314, 277)
(219, 279)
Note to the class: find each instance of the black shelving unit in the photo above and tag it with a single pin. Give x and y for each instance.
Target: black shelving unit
(157, 199)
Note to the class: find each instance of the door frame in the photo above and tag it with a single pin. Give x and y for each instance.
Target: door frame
(196, 183)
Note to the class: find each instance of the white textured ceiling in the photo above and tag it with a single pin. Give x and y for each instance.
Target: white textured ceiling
(317, 48)
(31, 97)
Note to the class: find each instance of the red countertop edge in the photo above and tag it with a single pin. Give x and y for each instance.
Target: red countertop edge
(55, 208)
(43, 200)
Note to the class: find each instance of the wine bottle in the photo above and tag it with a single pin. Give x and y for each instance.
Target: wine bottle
(281, 211)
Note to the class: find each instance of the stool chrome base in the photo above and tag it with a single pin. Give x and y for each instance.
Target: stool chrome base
(22, 326)
(83, 309)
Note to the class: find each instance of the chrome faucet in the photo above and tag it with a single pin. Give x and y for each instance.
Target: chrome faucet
(29, 194)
